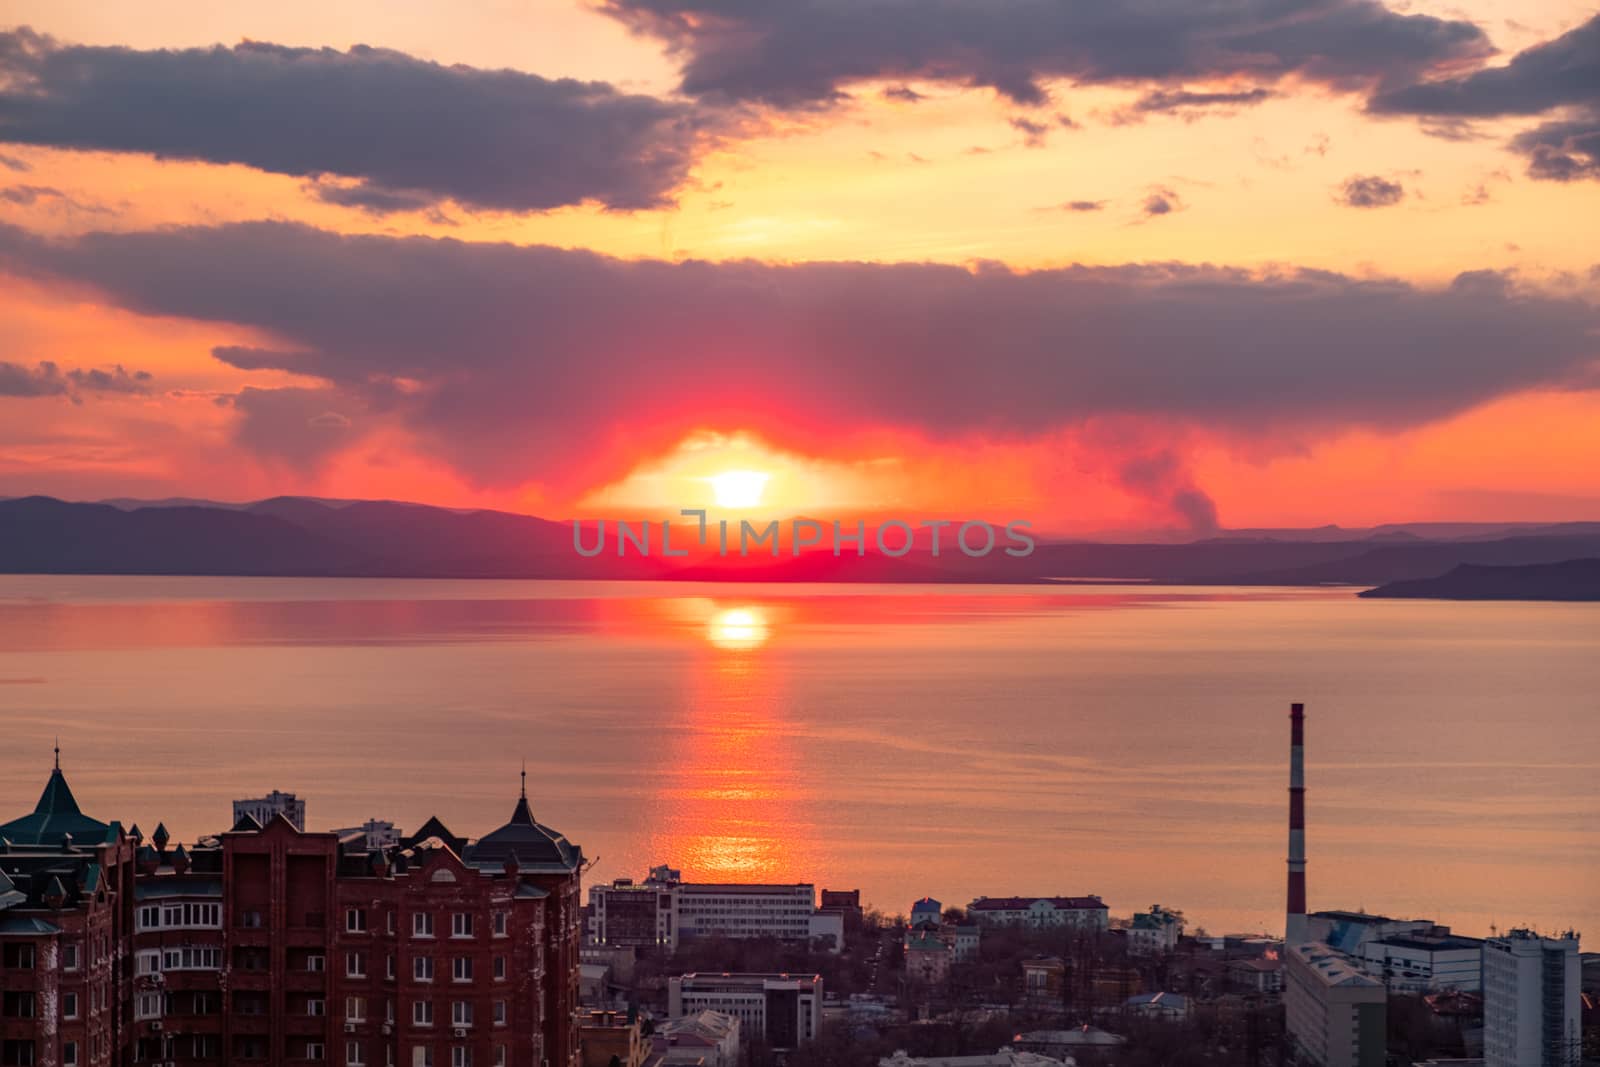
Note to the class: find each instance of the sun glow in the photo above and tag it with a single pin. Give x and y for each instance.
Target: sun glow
(738, 489)
(738, 628)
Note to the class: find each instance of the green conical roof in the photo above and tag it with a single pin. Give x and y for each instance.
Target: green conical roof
(56, 814)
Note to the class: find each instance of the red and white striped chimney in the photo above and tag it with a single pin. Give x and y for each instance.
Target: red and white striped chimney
(1295, 931)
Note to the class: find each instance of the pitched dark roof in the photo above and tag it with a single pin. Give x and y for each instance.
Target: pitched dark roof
(535, 846)
(56, 814)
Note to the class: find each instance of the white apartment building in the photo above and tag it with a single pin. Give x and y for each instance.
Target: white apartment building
(1080, 913)
(1425, 964)
(1336, 1013)
(264, 809)
(783, 1009)
(663, 913)
(1531, 1001)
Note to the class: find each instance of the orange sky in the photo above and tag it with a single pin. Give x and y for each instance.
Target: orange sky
(951, 178)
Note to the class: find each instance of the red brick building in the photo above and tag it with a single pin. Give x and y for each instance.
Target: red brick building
(65, 912)
(269, 945)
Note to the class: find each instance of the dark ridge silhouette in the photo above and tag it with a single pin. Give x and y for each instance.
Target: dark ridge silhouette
(296, 536)
(1572, 580)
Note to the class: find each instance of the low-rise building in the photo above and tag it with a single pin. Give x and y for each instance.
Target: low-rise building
(1336, 1013)
(1043, 980)
(607, 1038)
(1081, 1044)
(1163, 1007)
(968, 938)
(713, 1035)
(1424, 963)
(1079, 913)
(1006, 1057)
(927, 960)
(1349, 931)
(378, 833)
(784, 1010)
(1263, 975)
(1154, 932)
(264, 809)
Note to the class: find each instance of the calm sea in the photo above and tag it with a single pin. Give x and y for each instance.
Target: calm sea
(1129, 741)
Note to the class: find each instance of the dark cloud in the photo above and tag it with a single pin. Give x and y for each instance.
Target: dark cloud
(1084, 205)
(1558, 72)
(1563, 73)
(1369, 191)
(29, 195)
(407, 131)
(1161, 201)
(1182, 102)
(519, 363)
(1033, 133)
(806, 52)
(903, 93)
(41, 195)
(21, 166)
(48, 379)
(1562, 151)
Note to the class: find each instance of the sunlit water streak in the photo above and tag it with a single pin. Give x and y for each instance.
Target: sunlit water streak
(907, 740)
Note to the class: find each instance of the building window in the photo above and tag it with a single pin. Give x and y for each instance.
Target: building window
(461, 924)
(422, 1056)
(315, 1007)
(499, 1056)
(352, 1053)
(148, 963)
(422, 968)
(499, 968)
(69, 956)
(389, 967)
(355, 965)
(422, 1013)
(461, 1013)
(69, 1054)
(69, 1005)
(502, 923)
(313, 1050)
(355, 920)
(251, 920)
(460, 1056)
(355, 1009)
(422, 924)
(461, 971)
(316, 964)
(499, 1013)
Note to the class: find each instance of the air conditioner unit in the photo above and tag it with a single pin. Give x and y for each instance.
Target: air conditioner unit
(349, 1028)
(460, 1031)
(156, 1025)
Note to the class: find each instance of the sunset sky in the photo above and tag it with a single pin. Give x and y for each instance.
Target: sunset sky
(1107, 267)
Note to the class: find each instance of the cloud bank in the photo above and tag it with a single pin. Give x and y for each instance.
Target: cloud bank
(519, 364)
(797, 53)
(1558, 75)
(408, 133)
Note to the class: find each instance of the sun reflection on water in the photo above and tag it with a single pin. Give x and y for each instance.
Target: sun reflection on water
(738, 628)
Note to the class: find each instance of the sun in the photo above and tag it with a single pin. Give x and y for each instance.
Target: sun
(738, 489)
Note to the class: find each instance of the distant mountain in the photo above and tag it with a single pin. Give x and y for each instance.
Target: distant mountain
(308, 537)
(1573, 579)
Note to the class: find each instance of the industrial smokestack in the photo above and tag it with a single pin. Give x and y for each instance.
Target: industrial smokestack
(1295, 927)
